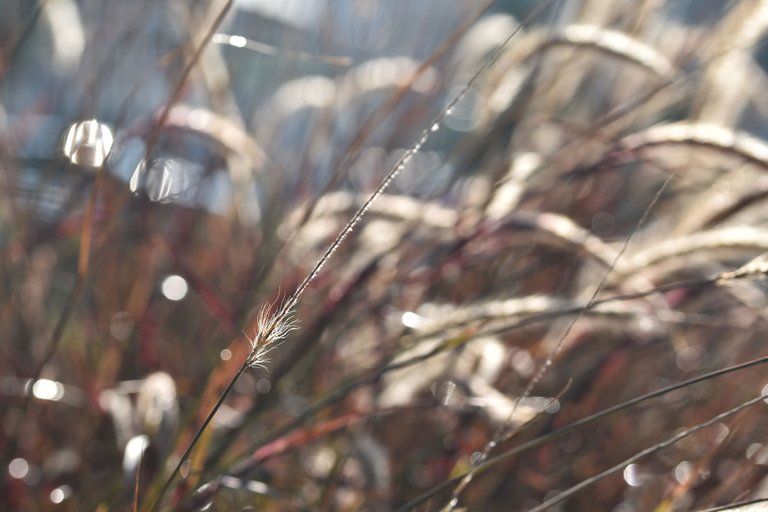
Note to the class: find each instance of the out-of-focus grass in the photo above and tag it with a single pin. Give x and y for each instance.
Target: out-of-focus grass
(425, 328)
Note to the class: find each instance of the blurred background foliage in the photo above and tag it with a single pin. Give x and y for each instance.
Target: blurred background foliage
(156, 198)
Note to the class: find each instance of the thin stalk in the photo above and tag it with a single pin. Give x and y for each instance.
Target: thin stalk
(541, 440)
(453, 342)
(197, 436)
(643, 453)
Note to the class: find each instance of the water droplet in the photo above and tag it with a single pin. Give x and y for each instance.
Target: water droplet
(523, 363)
(263, 385)
(443, 391)
(121, 325)
(60, 493)
(477, 458)
(46, 389)
(552, 406)
(603, 223)
(184, 469)
(412, 320)
(134, 452)
(137, 177)
(238, 41)
(634, 475)
(88, 143)
(435, 127)
(204, 505)
(683, 472)
(460, 111)
(167, 180)
(174, 287)
(18, 468)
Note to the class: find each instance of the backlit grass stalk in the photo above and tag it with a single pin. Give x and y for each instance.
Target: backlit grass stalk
(271, 328)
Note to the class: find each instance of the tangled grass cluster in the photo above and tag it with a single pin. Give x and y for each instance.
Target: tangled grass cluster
(436, 255)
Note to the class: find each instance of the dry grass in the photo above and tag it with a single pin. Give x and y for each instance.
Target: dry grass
(425, 271)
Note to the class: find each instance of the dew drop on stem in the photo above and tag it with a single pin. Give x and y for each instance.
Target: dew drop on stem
(443, 391)
(88, 143)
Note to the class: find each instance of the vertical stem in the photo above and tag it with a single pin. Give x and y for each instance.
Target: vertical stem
(197, 436)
